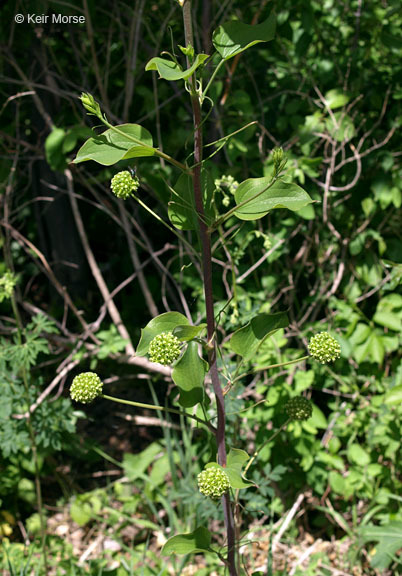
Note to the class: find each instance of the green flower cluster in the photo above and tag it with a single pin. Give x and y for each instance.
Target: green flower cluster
(123, 184)
(226, 183)
(164, 349)
(213, 482)
(324, 348)
(7, 283)
(86, 387)
(299, 408)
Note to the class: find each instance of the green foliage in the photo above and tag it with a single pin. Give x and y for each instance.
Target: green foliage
(234, 37)
(111, 343)
(256, 197)
(196, 541)
(171, 69)
(189, 375)
(235, 462)
(166, 322)
(326, 91)
(182, 212)
(388, 542)
(247, 340)
(120, 143)
(7, 284)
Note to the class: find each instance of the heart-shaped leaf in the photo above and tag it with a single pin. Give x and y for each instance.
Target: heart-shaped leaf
(233, 37)
(187, 333)
(111, 146)
(257, 196)
(170, 70)
(188, 374)
(166, 322)
(235, 462)
(193, 542)
(248, 339)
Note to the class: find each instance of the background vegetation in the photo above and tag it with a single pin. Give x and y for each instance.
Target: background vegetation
(91, 271)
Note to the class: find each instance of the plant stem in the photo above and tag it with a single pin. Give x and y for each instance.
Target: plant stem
(153, 407)
(212, 79)
(249, 463)
(170, 228)
(269, 367)
(208, 291)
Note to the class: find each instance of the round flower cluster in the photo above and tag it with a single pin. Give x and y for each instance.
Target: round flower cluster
(86, 387)
(164, 349)
(324, 348)
(123, 184)
(213, 482)
(299, 408)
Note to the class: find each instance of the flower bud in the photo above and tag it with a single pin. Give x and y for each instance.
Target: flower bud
(279, 160)
(324, 348)
(164, 349)
(277, 155)
(123, 184)
(299, 408)
(86, 387)
(213, 482)
(90, 104)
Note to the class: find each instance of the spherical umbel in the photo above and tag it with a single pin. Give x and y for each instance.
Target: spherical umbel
(123, 184)
(164, 349)
(213, 482)
(324, 348)
(86, 387)
(299, 408)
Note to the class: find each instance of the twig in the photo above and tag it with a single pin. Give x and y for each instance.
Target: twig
(97, 274)
(287, 521)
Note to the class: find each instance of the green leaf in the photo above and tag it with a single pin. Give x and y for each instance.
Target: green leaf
(388, 540)
(337, 482)
(278, 195)
(111, 342)
(85, 507)
(166, 322)
(54, 149)
(357, 455)
(389, 312)
(80, 512)
(73, 135)
(182, 211)
(371, 350)
(187, 333)
(248, 339)
(193, 542)
(234, 37)
(317, 419)
(394, 396)
(237, 458)
(235, 462)
(134, 465)
(344, 129)
(170, 70)
(336, 98)
(111, 146)
(188, 374)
